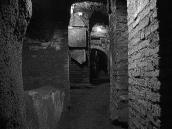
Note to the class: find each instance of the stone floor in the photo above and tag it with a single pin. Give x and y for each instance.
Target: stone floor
(89, 109)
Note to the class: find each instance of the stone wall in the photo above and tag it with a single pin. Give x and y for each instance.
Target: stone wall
(14, 18)
(119, 57)
(143, 69)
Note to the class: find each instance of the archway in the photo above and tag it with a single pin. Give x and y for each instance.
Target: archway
(98, 66)
(99, 46)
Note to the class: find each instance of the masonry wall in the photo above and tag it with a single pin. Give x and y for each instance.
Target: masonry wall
(14, 18)
(119, 57)
(143, 69)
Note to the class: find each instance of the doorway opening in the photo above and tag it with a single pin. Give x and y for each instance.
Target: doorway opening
(98, 67)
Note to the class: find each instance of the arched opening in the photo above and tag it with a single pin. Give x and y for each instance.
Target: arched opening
(99, 53)
(99, 17)
(89, 82)
(84, 15)
(98, 67)
(99, 36)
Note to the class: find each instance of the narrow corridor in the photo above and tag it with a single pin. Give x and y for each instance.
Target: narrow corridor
(76, 64)
(89, 109)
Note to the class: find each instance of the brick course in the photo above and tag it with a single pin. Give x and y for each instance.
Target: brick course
(143, 69)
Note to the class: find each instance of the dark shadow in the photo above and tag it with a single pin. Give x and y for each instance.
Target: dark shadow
(118, 123)
(45, 16)
(98, 67)
(164, 10)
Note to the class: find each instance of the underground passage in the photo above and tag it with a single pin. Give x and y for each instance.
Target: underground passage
(77, 64)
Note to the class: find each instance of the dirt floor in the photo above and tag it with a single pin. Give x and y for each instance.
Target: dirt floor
(89, 109)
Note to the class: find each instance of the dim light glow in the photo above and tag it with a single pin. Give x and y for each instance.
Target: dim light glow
(80, 13)
(71, 10)
(99, 29)
(70, 27)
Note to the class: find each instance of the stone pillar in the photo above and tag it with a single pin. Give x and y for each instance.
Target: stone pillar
(119, 61)
(14, 17)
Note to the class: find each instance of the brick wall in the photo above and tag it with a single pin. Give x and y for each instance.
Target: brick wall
(143, 69)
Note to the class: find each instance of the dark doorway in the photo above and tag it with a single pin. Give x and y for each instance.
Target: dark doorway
(98, 66)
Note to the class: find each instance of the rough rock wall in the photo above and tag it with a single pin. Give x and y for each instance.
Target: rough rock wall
(143, 70)
(119, 56)
(14, 17)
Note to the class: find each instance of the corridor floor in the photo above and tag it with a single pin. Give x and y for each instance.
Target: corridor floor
(90, 108)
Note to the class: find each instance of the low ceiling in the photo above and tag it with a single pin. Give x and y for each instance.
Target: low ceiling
(46, 15)
(55, 9)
